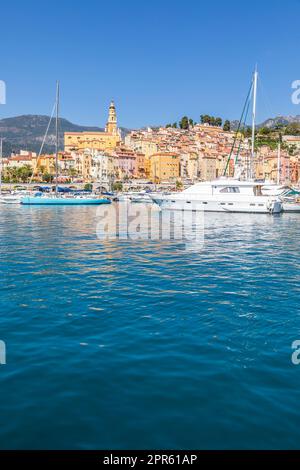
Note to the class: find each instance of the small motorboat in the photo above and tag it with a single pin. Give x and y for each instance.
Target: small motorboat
(11, 199)
(141, 198)
(124, 197)
(291, 203)
(290, 200)
(289, 206)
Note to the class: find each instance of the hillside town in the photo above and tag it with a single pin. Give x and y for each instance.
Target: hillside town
(168, 155)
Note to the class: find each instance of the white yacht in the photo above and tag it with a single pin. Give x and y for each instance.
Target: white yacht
(221, 195)
(230, 194)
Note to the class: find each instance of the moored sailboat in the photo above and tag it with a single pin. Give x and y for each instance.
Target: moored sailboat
(62, 200)
(57, 199)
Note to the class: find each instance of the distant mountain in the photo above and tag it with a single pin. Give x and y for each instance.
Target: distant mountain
(27, 132)
(280, 120)
(271, 122)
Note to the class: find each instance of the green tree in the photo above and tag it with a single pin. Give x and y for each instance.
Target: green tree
(226, 126)
(211, 120)
(191, 123)
(42, 169)
(205, 119)
(175, 125)
(23, 173)
(184, 123)
(264, 131)
(292, 149)
(293, 129)
(11, 175)
(73, 172)
(47, 177)
(117, 186)
(247, 132)
(88, 187)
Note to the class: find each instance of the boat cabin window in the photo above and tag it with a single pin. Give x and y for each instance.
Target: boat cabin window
(230, 189)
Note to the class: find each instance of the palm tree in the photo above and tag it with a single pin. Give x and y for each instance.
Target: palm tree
(24, 173)
(73, 172)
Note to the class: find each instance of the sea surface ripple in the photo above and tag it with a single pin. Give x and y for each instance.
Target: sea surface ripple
(148, 344)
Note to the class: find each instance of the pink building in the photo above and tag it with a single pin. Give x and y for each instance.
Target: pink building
(127, 162)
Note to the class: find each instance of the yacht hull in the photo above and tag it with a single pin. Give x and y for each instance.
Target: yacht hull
(262, 206)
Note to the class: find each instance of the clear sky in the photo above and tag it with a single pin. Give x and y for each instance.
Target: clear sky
(157, 59)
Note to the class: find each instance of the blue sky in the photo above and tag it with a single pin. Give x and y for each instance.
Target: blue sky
(158, 60)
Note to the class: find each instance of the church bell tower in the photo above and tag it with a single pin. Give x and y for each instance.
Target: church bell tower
(111, 126)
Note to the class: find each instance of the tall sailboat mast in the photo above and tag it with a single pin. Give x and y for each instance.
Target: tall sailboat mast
(56, 132)
(254, 90)
(278, 162)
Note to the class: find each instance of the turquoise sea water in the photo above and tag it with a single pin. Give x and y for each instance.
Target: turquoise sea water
(123, 344)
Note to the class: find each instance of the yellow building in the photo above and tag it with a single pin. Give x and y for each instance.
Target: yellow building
(143, 145)
(164, 166)
(107, 140)
(45, 164)
(148, 148)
